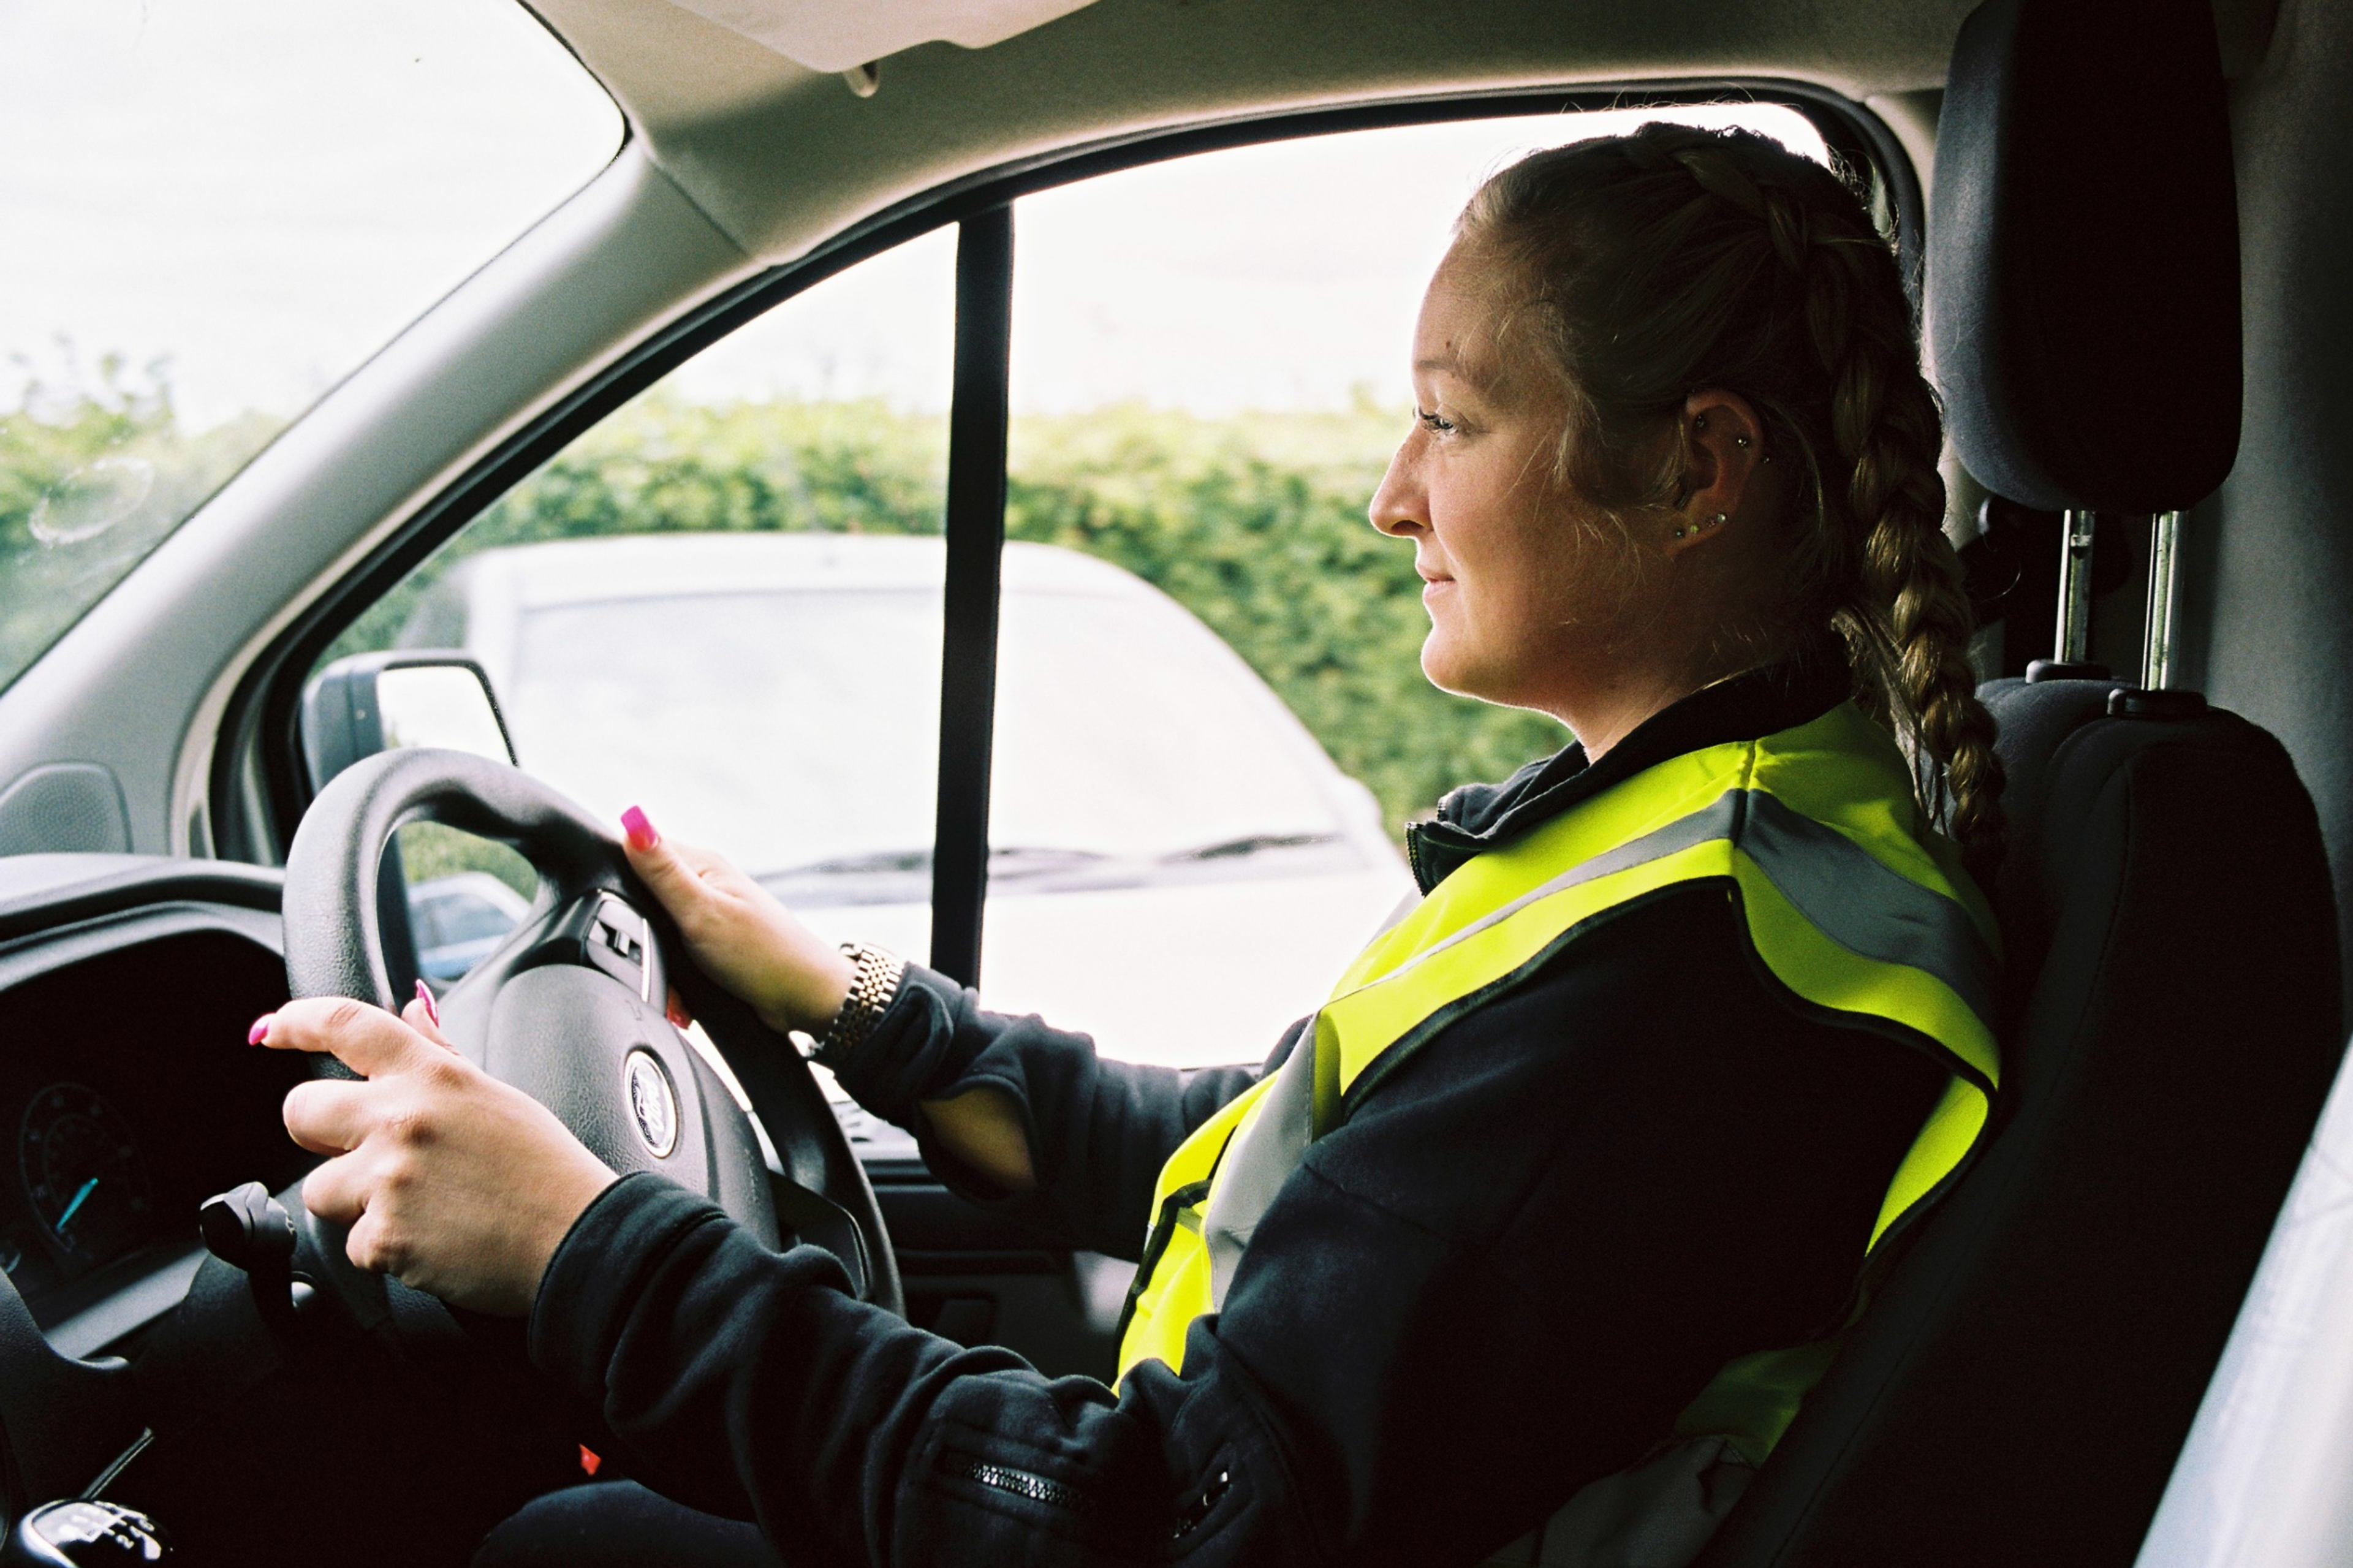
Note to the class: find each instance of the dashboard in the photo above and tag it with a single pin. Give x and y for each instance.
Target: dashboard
(128, 1093)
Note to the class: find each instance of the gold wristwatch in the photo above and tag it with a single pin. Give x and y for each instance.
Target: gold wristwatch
(871, 988)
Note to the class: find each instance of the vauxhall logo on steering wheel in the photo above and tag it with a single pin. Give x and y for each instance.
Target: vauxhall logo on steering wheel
(653, 1104)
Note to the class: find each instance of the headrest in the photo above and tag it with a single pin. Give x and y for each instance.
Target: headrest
(2082, 287)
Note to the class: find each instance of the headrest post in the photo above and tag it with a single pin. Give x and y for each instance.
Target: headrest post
(2157, 657)
(2074, 635)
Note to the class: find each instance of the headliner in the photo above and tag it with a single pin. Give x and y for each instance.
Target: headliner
(782, 156)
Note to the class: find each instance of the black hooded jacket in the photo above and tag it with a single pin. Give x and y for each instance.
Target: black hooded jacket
(1525, 1251)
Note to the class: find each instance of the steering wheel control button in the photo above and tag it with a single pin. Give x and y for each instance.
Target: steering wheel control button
(78, 1534)
(616, 943)
(653, 1103)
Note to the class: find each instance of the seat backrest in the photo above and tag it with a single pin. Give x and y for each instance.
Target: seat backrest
(2031, 1360)
(2028, 1369)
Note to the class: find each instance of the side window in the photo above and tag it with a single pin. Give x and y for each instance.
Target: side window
(723, 604)
(1211, 724)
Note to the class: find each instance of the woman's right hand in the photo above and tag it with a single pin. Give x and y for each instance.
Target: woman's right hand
(750, 943)
(740, 935)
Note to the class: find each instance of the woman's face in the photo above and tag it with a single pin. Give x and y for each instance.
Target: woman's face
(1527, 596)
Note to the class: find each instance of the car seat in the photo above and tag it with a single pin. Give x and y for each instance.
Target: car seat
(2029, 1365)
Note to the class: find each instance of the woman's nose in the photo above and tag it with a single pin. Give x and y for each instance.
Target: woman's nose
(1400, 507)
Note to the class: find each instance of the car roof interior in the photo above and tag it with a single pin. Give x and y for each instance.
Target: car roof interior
(732, 122)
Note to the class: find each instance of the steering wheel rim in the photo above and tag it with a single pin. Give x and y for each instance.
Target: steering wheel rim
(527, 1030)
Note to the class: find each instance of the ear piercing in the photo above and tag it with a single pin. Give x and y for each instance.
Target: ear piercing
(1699, 422)
(1694, 530)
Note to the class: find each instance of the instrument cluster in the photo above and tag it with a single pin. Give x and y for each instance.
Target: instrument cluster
(86, 1180)
(130, 1096)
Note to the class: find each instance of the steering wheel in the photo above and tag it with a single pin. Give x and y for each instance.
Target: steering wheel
(570, 1009)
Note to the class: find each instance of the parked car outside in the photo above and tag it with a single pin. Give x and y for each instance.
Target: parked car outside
(1150, 792)
(457, 920)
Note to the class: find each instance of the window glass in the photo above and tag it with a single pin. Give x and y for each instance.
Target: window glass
(209, 214)
(1211, 721)
(723, 604)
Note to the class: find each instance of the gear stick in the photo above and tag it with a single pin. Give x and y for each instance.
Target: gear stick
(77, 1535)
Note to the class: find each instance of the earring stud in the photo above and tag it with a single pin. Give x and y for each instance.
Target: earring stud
(1740, 441)
(1719, 518)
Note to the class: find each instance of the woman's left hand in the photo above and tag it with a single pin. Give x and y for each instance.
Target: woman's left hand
(448, 1180)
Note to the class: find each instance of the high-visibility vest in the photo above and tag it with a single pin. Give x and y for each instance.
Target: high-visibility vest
(1848, 898)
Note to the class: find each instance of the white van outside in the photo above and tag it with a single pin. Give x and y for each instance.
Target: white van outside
(1149, 789)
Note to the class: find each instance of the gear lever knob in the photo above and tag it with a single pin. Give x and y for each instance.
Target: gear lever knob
(82, 1535)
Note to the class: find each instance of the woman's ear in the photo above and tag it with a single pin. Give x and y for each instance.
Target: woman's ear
(1723, 446)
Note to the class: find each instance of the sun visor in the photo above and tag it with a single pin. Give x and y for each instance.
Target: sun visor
(2083, 288)
(829, 35)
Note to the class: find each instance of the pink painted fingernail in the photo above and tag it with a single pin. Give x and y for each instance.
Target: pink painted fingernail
(432, 1012)
(260, 1030)
(641, 831)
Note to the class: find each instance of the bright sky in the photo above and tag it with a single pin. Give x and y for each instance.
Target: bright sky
(263, 192)
(266, 191)
(1282, 276)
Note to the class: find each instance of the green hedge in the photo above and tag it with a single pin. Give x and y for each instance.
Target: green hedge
(1255, 522)
(91, 479)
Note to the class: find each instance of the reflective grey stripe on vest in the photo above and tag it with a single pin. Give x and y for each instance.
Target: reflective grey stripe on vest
(1258, 1162)
(1844, 891)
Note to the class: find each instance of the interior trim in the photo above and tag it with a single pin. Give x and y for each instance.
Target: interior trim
(979, 411)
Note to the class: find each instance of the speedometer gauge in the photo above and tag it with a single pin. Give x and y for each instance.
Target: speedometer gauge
(82, 1171)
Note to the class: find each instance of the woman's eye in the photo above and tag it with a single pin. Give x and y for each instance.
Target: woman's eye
(1430, 421)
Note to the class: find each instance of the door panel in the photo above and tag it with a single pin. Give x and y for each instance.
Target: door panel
(978, 1276)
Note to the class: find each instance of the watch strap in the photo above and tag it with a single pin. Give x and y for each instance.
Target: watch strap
(873, 986)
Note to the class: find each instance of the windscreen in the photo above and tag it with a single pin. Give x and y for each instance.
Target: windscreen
(211, 211)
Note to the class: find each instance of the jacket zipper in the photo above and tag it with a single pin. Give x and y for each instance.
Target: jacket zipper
(1020, 1483)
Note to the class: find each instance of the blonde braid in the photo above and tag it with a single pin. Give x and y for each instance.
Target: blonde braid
(1910, 624)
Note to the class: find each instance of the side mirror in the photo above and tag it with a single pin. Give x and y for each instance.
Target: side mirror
(373, 703)
(446, 899)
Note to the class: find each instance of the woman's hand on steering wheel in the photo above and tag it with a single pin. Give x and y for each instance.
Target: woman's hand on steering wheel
(739, 934)
(448, 1180)
(753, 945)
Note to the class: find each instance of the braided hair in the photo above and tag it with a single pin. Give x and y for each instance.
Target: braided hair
(1653, 266)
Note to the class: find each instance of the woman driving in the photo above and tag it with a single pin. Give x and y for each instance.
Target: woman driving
(1527, 1245)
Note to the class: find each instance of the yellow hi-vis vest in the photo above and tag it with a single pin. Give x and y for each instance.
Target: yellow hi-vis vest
(1848, 899)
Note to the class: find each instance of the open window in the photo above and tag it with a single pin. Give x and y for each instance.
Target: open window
(721, 603)
(1010, 602)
